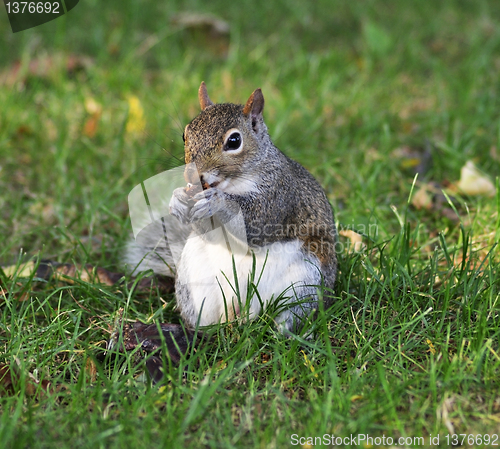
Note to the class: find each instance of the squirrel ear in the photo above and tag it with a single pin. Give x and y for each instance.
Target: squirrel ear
(205, 101)
(255, 104)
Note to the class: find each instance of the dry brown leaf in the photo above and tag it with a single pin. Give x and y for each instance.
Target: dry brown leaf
(175, 338)
(68, 273)
(20, 296)
(90, 126)
(422, 199)
(91, 370)
(94, 109)
(474, 261)
(431, 197)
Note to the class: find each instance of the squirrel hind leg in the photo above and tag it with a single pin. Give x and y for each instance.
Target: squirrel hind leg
(297, 317)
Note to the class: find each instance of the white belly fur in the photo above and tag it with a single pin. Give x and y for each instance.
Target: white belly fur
(203, 265)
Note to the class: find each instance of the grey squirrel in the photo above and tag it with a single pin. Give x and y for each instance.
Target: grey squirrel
(269, 204)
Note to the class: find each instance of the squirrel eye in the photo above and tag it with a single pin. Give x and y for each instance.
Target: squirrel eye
(233, 142)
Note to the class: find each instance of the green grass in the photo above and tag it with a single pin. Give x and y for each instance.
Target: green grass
(411, 345)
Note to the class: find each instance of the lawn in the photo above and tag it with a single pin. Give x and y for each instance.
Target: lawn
(384, 102)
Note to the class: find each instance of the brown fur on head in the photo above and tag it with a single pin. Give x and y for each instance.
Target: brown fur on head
(206, 137)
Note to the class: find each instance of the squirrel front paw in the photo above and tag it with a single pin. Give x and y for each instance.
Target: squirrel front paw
(179, 205)
(207, 203)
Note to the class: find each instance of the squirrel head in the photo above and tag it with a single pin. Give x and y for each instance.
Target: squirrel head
(226, 142)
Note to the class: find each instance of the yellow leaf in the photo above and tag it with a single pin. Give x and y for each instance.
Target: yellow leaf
(432, 350)
(309, 364)
(355, 239)
(135, 122)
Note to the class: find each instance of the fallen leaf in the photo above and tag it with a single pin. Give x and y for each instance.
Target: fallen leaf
(356, 240)
(473, 182)
(90, 126)
(47, 269)
(91, 369)
(309, 364)
(475, 261)
(178, 340)
(422, 199)
(431, 197)
(431, 349)
(20, 296)
(94, 109)
(135, 122)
